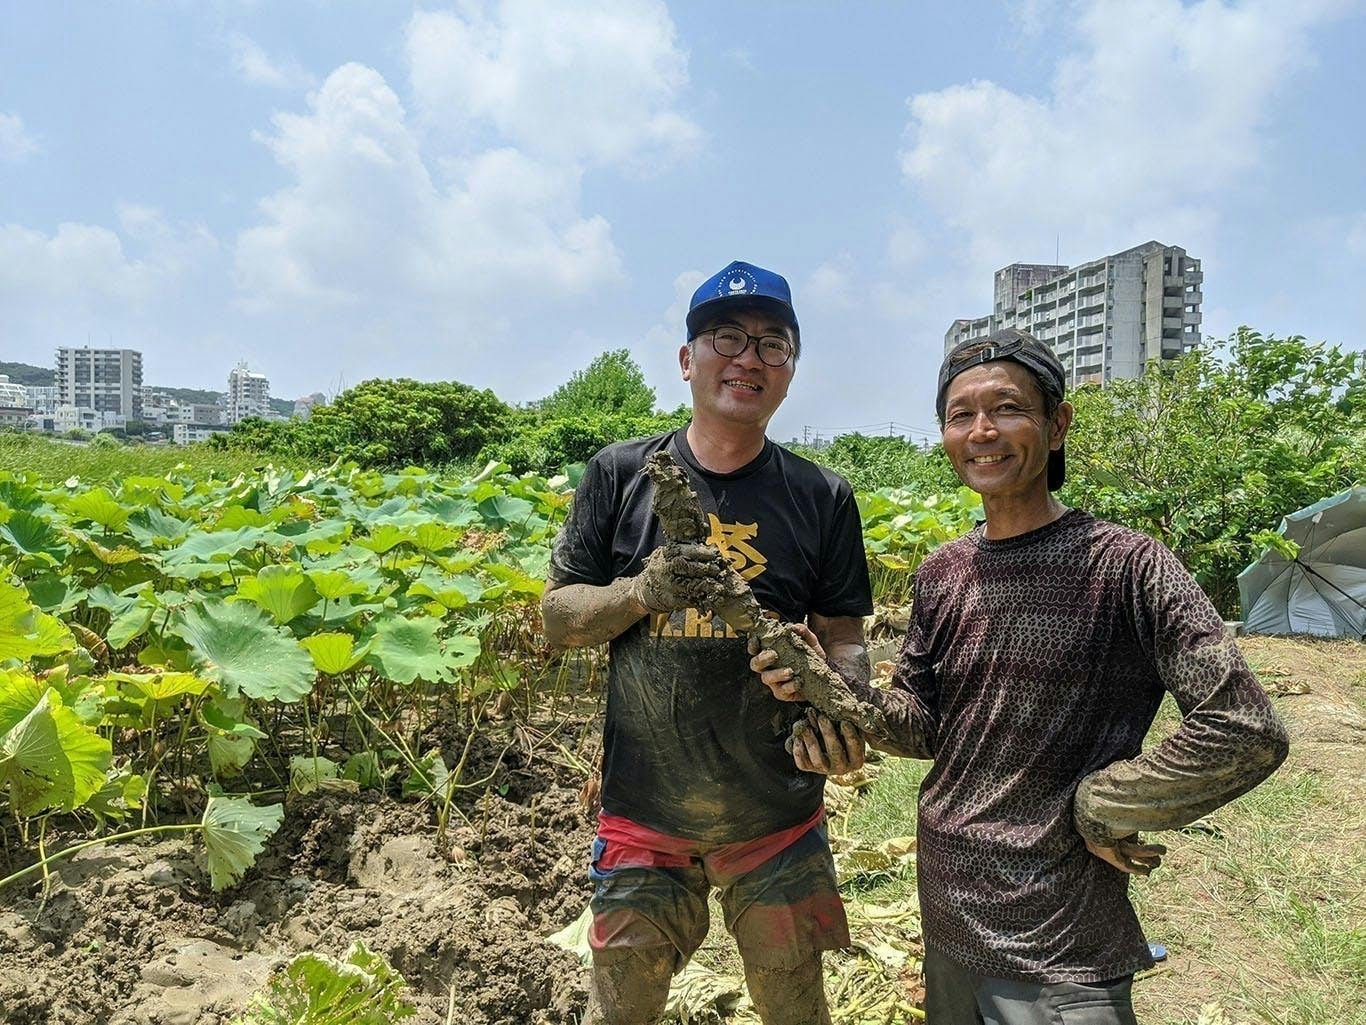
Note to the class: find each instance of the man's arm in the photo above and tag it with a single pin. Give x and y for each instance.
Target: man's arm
(909, 703)
(1229, 740)
(678, 575)
(582, 615)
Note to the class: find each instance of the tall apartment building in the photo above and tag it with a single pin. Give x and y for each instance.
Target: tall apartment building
(103, 380)
(1106, 318)
(248, 394)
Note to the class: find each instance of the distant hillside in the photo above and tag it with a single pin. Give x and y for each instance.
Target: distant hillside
(283, 406)
(199, 395)
(27, 374)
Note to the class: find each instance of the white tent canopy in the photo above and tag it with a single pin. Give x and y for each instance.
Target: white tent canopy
(1323, 590)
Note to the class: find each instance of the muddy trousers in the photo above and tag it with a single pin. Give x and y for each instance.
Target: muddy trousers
(956, 996)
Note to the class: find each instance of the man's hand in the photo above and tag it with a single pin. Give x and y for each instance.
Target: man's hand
(1129, 854)
(679, 575)
(778, 678)
(827, 748)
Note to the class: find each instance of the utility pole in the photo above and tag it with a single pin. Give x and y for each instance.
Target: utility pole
(806, 434)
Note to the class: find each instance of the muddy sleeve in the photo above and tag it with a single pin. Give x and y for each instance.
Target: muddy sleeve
(842, 587)
(583, 547)
(910, 702)
(1230, 737)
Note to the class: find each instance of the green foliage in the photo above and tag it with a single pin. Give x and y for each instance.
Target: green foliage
(545, 446)
(874, 462)
(1206, 452)
(612, 383)
(314, 989)
(900, 529)
(384, 423)
(235, 832)
(28, 375)
(56, 460)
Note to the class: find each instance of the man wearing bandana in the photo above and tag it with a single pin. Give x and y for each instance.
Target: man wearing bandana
(1039, 648)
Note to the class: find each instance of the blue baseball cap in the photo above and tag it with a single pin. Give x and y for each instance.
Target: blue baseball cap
(742, 282)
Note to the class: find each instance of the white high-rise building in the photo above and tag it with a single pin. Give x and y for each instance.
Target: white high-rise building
(248, 394)
(1106, 318)
(103, 380)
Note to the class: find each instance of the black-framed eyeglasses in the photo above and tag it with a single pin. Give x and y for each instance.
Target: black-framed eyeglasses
(773, 350)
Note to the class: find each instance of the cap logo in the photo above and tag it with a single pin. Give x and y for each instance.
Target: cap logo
(737, 282)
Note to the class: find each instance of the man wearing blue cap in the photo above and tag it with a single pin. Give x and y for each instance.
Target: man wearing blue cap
(1039, 648)
(698, 791)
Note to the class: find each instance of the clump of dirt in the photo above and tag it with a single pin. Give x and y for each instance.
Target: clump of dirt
(680, 517)
(133, 935)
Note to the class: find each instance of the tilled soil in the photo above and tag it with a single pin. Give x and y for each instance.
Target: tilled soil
(132, 934)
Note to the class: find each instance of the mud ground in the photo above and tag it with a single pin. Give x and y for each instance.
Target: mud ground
(132, 934)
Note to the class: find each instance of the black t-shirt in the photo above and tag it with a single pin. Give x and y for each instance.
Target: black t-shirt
(693, 741)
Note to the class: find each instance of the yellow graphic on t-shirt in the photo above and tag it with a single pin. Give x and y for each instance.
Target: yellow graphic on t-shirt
(733, 540)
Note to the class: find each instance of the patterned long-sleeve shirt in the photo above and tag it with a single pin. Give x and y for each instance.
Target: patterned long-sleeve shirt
(1031, 671)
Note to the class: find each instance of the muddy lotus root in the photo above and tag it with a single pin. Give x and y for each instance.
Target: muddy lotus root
(681, 519)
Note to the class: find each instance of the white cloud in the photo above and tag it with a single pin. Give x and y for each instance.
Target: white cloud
(831, 285)
(84, 276)
(255, 66)
(15, 142)
(366, 220)
(1356, 236)
(577, 81)
(1159, 109)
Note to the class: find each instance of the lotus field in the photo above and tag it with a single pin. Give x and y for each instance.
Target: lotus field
(190, 655)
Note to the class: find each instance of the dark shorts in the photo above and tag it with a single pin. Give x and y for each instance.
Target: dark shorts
(956, 996)
(780, 911)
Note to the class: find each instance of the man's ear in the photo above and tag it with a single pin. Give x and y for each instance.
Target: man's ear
(685, 361)
(1062, 422)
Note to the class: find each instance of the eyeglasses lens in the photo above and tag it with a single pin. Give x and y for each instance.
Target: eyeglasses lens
(773, 350)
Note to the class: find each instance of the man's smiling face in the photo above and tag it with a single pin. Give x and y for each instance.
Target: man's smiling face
(997, 432)
(739, 390)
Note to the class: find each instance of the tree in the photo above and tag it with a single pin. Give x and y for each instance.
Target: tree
(1207, 450)
(612, 383)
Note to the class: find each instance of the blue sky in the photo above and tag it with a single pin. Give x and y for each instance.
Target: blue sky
(496, 192)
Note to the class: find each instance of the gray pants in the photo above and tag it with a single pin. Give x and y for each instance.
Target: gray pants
(956, 996)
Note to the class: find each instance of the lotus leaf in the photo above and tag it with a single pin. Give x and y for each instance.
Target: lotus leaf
(307, 774)
(409, 649)
(99, 507)
(314, 989)
(282, 591)
(151, 526)
(385, 537)
(334, 583)
(54, 593)
(334, 653)
(236, 646)
(235, 832)
(506, 510)
(50, 759)
(32, 535)
(217, 546)
(121, 795)
(24, 631)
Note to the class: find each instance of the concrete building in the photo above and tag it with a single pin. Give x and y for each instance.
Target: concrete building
(15, 418)
(1105, 318)
(70, 418)
(187, 434)
(248, 394)
(104, 380)
(13, 396)
(43, 398)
